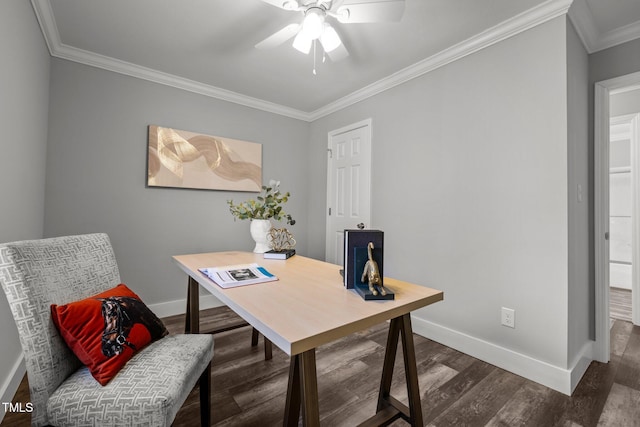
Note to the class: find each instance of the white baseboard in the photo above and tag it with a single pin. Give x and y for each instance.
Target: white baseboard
(10, 385)
(559, 379)
(171, 308)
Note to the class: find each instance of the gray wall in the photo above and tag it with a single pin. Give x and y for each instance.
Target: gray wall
(581, 326)
(614, 62)
(96, 173)
(470, 187)
(24, 92)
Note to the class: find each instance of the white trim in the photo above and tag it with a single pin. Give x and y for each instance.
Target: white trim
(583, 22)
(619, 36)
(515, 25)
(601, 212)
(11, 384)
(603, 90)
(592, 39)
(635, 219)
(172, 308)
(557, 378)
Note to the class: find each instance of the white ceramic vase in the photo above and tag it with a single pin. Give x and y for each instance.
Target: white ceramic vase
(259, 230)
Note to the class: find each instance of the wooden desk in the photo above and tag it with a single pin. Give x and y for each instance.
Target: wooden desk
(307, 307)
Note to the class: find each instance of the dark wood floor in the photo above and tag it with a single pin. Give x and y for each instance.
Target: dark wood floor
(457, 390)
(620, 304)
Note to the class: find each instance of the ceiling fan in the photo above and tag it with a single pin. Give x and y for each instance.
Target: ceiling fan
(314, 25)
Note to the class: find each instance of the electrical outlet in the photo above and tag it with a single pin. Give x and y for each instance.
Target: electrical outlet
(508, 317)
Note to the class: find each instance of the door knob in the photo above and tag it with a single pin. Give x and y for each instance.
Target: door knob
(360, 226)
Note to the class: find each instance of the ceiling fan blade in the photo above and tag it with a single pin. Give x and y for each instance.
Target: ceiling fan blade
(279, 37)
(338, 53)
(284, 4)
(364, 11)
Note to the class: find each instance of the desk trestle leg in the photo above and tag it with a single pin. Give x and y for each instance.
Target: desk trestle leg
(302, 391)
(389, 408)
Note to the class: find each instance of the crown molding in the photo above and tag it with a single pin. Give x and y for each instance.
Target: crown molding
(619, 36)
(585, 26)
(111, 64)
(519, 23)
(58, 49)
(592, 38)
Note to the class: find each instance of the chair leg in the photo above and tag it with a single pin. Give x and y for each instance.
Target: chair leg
(268, 353)
(254, 337)
(267, 344)
(205, 397)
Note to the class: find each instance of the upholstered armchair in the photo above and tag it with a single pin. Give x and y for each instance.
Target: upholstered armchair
(150, 388)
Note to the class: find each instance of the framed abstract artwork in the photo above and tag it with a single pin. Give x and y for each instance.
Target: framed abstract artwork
(182, 159)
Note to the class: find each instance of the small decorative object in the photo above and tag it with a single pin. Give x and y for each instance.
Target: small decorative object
(371, 274)
(359, 239)
(364, 263)
(282, 244)
(281, 239)
(267, 205)
(259, 229)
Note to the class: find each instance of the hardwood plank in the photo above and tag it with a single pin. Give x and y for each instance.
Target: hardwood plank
(531, 405)
(628, 373)
(622, 407)
(440, 399)
(619, 336)
(479, 405)
(620, 304)
(588, 399)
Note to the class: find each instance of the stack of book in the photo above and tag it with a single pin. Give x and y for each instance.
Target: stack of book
(283, 254)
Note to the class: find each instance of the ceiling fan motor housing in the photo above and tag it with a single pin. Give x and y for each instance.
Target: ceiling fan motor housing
(313, 23)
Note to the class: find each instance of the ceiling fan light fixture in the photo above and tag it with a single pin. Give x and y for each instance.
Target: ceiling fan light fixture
(302, 43)
(329, 38)
(290, 5)
(313, 23)
(343, 15)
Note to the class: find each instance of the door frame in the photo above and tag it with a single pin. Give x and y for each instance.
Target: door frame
(366, 123)
(602, 91)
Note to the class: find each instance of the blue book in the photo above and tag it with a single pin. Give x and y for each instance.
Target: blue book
(360, 239)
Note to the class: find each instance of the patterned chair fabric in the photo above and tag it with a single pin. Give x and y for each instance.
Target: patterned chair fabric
(151, 387)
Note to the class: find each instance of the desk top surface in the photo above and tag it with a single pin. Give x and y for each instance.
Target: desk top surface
(308, 306)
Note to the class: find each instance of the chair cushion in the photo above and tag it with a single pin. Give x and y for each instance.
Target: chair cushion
(105, 330)
(148, 391)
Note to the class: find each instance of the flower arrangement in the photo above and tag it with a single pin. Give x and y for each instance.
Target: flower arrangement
(268, 205)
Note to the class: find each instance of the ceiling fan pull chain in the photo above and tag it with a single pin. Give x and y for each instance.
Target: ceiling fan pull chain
(314, 58)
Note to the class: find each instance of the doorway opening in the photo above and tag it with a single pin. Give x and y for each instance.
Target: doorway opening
(623, 163)
(602, 146)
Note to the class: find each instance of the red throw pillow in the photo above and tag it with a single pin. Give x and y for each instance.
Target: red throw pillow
(105, 330)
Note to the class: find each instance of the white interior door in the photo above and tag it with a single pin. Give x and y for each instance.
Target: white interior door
(348, 185)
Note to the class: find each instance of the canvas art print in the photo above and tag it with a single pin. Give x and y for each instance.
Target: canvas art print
(183, 159)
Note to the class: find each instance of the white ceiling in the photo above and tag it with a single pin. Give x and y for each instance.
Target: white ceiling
(207, 46)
